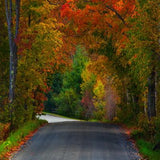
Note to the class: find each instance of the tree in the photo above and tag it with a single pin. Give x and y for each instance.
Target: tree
(69, 99)
(143, 50)
(4, 62)
(12, 35)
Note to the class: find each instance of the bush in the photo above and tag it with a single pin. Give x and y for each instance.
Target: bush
(4, 131)
(99, 114)
(138, 133)
(151, 129)
(130, 118)
(143, 122)
(68, 103)
(156, 123)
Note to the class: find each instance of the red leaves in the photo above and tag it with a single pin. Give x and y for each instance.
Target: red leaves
(39, 97)
(85, 21)
(66, 11)
(25, 41)
(87, 101)
(135, 56)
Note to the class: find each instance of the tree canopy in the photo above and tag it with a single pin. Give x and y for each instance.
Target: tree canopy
(94, 59)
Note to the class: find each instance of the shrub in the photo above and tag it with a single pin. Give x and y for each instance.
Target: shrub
(4, 131)
(156, 123)
(151, 129)
(130, 118)
(68, 103)
(138, 133)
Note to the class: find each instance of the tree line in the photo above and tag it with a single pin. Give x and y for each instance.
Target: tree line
(90, 59)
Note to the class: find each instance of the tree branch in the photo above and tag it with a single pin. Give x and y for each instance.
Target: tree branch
(7, 13)
(118, 15)
(109, 25)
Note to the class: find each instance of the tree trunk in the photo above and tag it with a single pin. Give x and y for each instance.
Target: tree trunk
(13, 50)
(12, 45)
(151, 95)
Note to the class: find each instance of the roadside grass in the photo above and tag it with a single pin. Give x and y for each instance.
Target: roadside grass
(57, 115)
(17, 136)
(96, 120)
(146, 149)
(93, 120)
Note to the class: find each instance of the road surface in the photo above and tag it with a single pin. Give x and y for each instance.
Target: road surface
(78, 141)
(69, 139)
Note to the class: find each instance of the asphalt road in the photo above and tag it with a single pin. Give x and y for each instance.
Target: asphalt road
(77, 141)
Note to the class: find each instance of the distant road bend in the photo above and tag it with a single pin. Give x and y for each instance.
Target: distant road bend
(75, 140)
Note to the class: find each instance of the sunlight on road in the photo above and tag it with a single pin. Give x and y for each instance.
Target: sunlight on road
(54, 119)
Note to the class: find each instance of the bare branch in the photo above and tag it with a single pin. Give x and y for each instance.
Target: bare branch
(7, 13)
(109, 25)
(118, 15)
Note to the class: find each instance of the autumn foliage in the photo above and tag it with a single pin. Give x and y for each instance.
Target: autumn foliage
(95, 59)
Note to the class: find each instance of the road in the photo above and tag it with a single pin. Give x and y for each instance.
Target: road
(78, 141)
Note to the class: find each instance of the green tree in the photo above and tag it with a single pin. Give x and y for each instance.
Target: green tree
(69, 99)
(143, 50)
(55, 82)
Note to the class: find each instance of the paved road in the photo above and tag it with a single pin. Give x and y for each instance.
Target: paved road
(77, 141)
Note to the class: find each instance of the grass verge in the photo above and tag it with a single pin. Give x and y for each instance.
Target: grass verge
(146, 149)
(19, 137)
(102, 121)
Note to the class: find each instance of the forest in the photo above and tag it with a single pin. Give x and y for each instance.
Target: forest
(92, 60)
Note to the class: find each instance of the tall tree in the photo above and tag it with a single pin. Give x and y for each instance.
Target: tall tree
(12, 35)
(4, 57)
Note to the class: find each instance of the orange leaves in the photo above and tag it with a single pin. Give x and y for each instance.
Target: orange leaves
(39, 97)
(121, 42)
(66, 11)
(99, 66)
(89, 19)
(119, 5)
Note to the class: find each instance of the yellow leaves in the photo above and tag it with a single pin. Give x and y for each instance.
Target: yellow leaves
(45, 9)
(100, 66)
(41, 41)
(48, 33)
(86, 74)
(99, 89)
